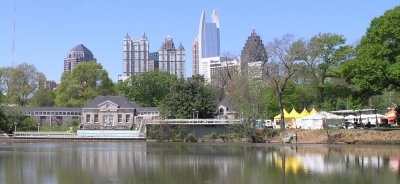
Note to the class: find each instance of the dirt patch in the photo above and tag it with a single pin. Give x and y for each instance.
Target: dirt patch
(342, 136)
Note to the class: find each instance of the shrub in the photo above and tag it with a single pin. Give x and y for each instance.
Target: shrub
(191, 137)
(177, 138)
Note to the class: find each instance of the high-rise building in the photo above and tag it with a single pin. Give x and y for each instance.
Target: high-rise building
(135, 56)
(153, 61)
(171, 60)
(253, 57)
(207, 42)
(217, 71)
(50, 85)
(76, 55)
(195, 57)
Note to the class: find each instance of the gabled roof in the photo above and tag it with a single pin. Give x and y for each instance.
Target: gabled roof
(225, 103)
(121, 101)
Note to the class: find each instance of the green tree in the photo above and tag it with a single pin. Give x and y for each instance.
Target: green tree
(284, 54)
(43, 98)
(81, 85)
(377, 63)
(20, 83)
(187, 96)
(148, 88)
(325, 51)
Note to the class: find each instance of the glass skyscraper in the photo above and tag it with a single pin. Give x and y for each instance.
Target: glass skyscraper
(207, 42)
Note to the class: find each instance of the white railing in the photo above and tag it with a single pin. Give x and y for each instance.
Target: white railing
(44, 134)
(195, 121)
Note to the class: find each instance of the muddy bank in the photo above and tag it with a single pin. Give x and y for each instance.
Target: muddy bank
(339, 136)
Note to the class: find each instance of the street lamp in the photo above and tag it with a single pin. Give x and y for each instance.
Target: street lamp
(15, 127)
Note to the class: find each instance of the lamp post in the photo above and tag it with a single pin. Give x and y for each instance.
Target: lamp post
(15, 127)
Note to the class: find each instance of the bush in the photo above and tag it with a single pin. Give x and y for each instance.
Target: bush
(177, 138)
(191, 138)
(271, 133)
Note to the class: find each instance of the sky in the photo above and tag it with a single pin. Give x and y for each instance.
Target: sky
(46, 30)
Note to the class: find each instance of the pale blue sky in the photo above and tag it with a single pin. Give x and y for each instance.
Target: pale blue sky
(47, 29)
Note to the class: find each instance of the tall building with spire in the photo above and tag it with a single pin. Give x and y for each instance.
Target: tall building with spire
(170, 59)
(253, 56)
(207, 42)
(135, 56)
(78, 54)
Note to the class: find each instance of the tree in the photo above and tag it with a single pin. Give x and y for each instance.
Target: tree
(43, 98)
(187, 96)
(148, 88)
(377, 63)
(81, 85)
(20, 83)
(324, 52)
(284, 53)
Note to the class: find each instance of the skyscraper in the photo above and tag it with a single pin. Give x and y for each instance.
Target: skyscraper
(172, 60)
(135, 56)
(78, 54)
(253, 56)
(207, 42)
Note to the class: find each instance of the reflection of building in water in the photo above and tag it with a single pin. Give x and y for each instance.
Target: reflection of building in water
(110, 161)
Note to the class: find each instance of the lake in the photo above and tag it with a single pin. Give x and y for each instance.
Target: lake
(187, 163)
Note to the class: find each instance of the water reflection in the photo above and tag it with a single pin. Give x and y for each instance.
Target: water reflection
(140, 162)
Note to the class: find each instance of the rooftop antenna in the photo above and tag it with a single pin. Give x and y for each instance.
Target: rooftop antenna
(13, 44)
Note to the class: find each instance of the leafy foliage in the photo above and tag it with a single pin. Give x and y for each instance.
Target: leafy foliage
(187, 96)
(43, 98)
(377, 63)
(148, 88)
(20, 83)
(86, 81)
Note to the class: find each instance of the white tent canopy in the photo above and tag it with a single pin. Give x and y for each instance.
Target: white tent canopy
(317, 121)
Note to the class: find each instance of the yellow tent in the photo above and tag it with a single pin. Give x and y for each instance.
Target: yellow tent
(313, 111)
(279, 115)
(293, 114)
(304, 113)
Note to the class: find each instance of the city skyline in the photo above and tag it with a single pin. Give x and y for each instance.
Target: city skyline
(45, 32)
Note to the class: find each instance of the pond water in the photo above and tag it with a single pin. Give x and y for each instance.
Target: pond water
(176, 163)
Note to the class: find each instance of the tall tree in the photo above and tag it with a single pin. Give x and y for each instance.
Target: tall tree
(43, 98)
(187, 96)
(81, 85)
(284, 53)
(324, 52)
(377, 63)
(20, 83)
(148, 88)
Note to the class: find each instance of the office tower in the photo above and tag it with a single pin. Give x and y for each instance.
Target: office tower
(153, 61)
(76, 55)
(50, 85)
(207, 42)
(135, 56)
(253, 57)
(172, 60)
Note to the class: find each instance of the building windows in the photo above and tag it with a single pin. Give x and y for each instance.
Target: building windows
(96, 118)
(128, 118)
(119, 118)
(87, 118)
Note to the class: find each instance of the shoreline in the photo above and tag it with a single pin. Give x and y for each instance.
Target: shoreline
(356, 137)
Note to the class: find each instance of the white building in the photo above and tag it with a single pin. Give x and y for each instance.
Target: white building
(135, 56)
(217, 69)
(170, 59)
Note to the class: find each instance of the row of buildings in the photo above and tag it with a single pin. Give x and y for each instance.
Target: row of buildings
(107, 113)
(206, 56)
